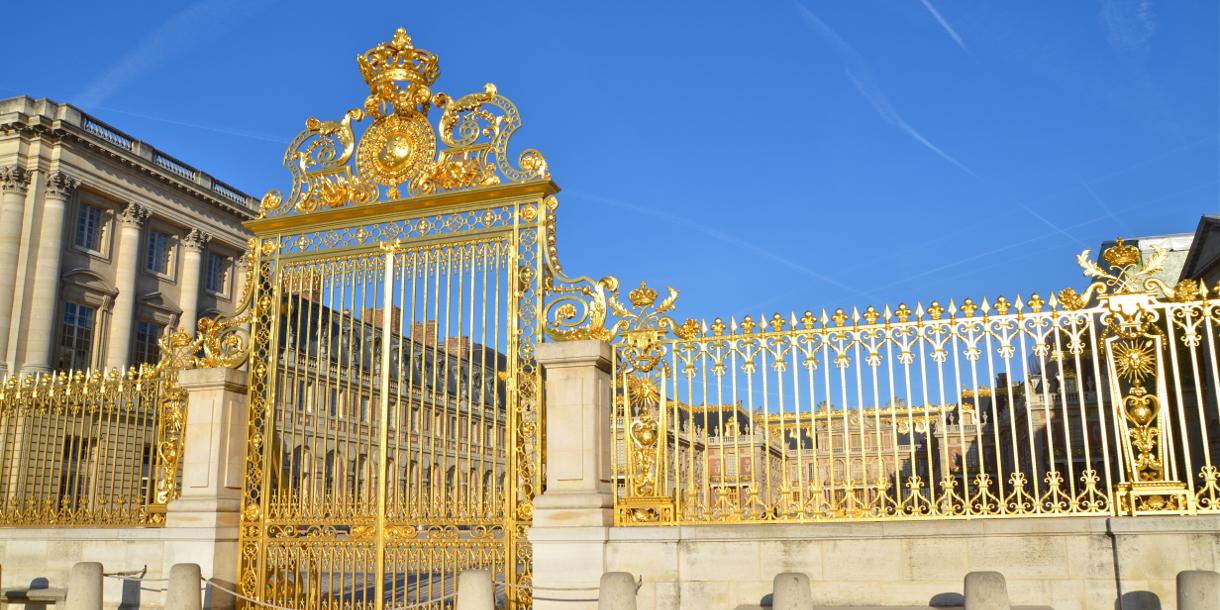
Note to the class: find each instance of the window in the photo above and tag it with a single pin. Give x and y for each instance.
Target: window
(157, 256)
(89, 228)
(76, 337)
(74, 470)
(217, 277)
(146, 348)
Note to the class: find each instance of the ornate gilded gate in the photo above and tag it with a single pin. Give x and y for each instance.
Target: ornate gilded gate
(394, 301)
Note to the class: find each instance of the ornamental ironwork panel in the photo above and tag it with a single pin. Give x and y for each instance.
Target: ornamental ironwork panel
(395, 415)
(90, 449)
(1101, 402)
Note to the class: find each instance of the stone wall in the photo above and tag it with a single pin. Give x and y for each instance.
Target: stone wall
(1067, 563)
(43, 557)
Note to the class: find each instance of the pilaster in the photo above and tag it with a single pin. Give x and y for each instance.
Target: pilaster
(14, 185)
(572, 517)
(127, 267)
(40, 343)
(192, 257)
(204, 518)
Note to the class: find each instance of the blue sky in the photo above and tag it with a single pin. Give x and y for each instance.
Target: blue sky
(758, 156)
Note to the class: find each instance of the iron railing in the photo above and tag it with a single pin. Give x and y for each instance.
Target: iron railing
(89, 449)
(1081, 404)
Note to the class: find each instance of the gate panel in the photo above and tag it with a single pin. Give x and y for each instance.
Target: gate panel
(395, 408)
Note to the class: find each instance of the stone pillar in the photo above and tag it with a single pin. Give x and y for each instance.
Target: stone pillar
(617, 592)
(791, 591)
(475, 591)
(571, 519)
(184, 588)
(1198, 590)
(985, 591)
(188, 291)
(84, 587)
(14, 183)
(42, 331)
(127, 268)
(203, 521)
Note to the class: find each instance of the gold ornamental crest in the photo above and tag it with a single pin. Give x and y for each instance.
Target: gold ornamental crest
(398, 155)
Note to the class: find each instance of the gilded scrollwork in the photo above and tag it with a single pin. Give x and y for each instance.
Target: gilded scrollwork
(576, 307)
(398, 154)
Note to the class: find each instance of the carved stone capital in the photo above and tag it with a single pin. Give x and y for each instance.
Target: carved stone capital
(196, 240)
(61, 185)
(14, 179)
(134, 215)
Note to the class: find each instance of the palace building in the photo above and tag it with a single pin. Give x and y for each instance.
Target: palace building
(105, 242)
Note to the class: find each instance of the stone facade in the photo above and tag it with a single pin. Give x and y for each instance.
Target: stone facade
(1066, 563)
(105, 242)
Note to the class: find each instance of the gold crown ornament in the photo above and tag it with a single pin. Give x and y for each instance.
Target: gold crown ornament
(642, 296)
(1121, 255)
(386, 65)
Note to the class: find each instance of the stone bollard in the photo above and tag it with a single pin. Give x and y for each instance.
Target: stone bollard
(617, 592)
(84, 587)
(475, 591)
(185, 585)
(790, 591)
(1198, 589)
(986, 591)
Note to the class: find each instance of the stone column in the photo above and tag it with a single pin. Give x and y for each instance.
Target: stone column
(188, 291)
(571, 519)
(127, 268)
(203, 520)
(14, 183)
(42, 324)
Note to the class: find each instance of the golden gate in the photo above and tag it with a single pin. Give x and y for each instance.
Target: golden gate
(395, 416)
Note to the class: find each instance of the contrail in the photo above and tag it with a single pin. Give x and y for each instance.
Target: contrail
(172, 37)
(944, 24)
(722, 236)
(1054, 226)
(862, 79)
(221, 130)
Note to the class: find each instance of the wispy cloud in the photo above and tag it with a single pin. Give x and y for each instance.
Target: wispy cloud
(171, 38)
(864, 82)
(251, 135)
(723, 237)
(1129, 24)
(944, 25)
(1060, 230)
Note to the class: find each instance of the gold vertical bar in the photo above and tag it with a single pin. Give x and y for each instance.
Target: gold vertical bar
(1100, 394)
(1082, 407)
(1057, 321)
(955, 331)
(928, 412)
(672, 431)
(793, 348)
(893, 413)
(383, 424)
(1176, 373)
(831, 494)
(1023, 332)
(989, 349)
(816, 487)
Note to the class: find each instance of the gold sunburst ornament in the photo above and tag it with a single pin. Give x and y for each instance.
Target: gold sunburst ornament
(1134, 360)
